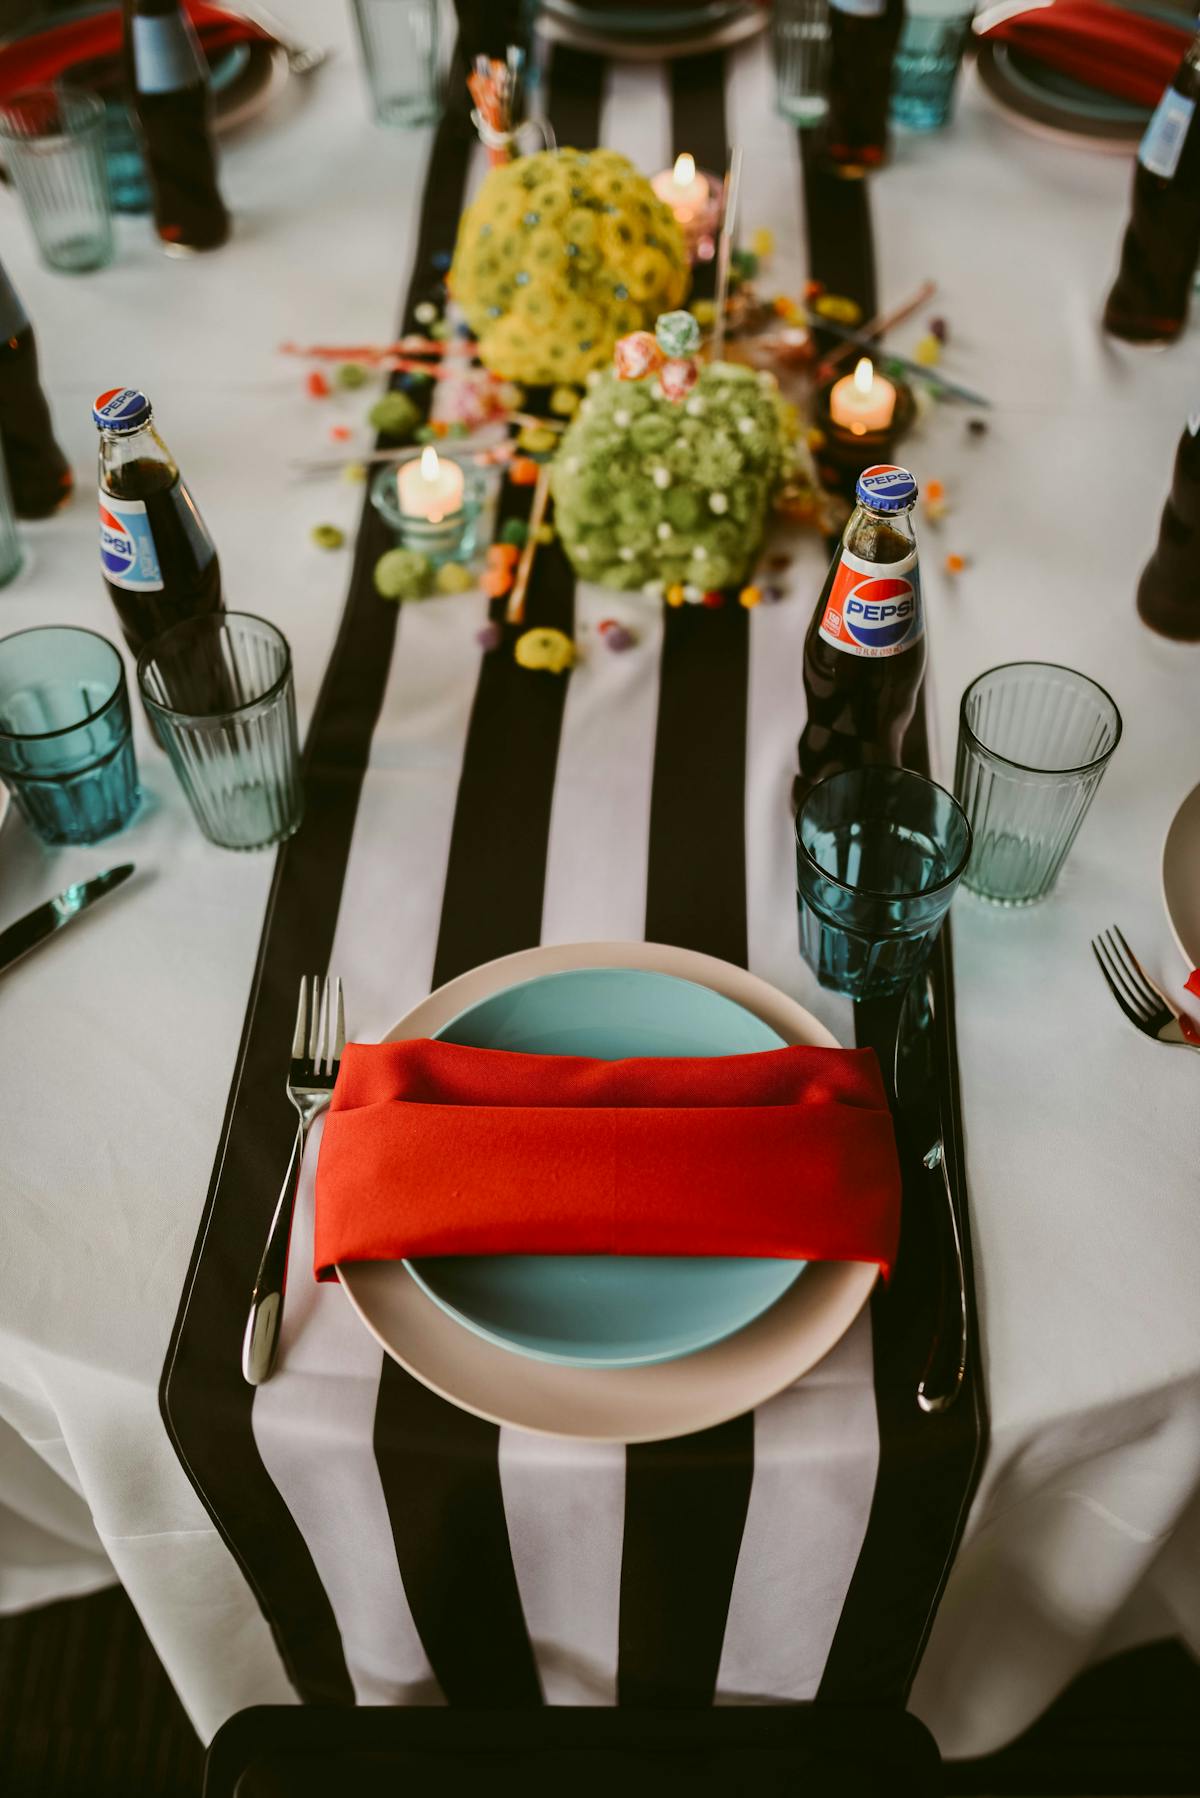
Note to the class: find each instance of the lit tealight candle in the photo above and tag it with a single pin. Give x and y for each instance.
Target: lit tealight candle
(694, 198)
(864, 401)
(431, 487)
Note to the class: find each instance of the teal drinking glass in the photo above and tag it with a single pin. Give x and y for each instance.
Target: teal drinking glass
(399, 43)
(66, 749)
(1034, 740)
(928, 56)
(220, 696)
(54, 149)
(879, 853)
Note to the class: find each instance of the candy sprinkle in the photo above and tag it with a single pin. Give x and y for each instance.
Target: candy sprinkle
(316, 385)
(713, 599)
(327, 536)
(351, 375)
(523, 471)
(674, 594)
(955, 564)
(750, 596)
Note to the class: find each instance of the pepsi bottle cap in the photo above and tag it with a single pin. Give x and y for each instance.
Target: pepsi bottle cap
(886, 488)
(121, 409)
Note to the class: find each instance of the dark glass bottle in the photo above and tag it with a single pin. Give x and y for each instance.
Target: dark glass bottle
(863, 35)
(157, 558)
(1168, 595)
(864, 655)
(167, 82)
(1149, 299)
(39, 475)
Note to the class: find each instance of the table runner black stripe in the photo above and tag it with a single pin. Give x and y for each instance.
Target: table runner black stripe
(205, 1403)
(438, 1465)
(686, 1499)
(928, 1465)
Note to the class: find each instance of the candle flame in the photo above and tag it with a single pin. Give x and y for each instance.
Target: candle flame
(864, 374)
(685, 170)
(431, 468)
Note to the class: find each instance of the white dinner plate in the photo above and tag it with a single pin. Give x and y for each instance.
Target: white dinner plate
(625, 1404)
(1181, 877)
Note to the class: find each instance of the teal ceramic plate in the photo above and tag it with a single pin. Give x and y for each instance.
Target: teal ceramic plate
(602, 1310)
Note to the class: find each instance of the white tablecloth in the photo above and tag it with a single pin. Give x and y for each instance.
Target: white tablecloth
(1085, 1531)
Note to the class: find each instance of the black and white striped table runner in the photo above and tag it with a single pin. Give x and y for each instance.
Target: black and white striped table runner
(400, 1548)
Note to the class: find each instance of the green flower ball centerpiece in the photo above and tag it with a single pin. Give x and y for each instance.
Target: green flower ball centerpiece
(663, 479)
(561, 254)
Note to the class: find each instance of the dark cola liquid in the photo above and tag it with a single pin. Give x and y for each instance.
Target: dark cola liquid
(862, 49)
(189, 213)
(191, 573)
(39, 475)
(1150, 297)
(859, 707)
(1168, 594)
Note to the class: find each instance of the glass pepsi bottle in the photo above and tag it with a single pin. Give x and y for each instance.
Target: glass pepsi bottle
(863, 35)
(157, 558)
(1168, 594)
(39, 475)
(168, 93)
(1149, 299)
(864, 655)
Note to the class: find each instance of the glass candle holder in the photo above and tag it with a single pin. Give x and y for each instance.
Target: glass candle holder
(844, 453)
(697, 199)
(449, 539)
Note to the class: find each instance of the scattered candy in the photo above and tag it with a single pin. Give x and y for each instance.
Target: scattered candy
(327, 536)
(937, 328)
(692, 594)
(677, 335)
(439, 332)
(316, 385)
(564, 401)
(441, 260)
(544, 534)
(677, 379)
(354, 472)
(813, 289)
(394, 415)
(750, 596)
(955, 564)
(674, 594)
(497, 582)
(896, 370)
(773, 593)
(351, 375)
(402, 574)
(504, 554)
(452, 577)
(537, 440)
(838, 309)
(934, 490)
(713, 598)
(490, 637)
(705, 314)
(545, 649)
(638, 355)
(514, 530)
(425, 313)
(743, 265)
(340, 433)
(762, 242)
(523, 472)
(928, 351)
(618, 638)
(977, 427)
(424, 434)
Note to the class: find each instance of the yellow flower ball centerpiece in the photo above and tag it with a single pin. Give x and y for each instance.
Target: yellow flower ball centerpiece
(664, 477)
(560, 254)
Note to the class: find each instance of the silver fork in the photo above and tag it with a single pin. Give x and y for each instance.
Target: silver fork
(317, 1045)
(1143, 1003)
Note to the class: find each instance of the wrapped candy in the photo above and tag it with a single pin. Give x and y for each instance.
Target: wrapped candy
(677, 335)
(677, 380)
(636, 356)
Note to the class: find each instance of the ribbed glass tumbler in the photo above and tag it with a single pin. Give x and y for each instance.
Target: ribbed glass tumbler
(54, 148)
(220, 695)
(1033, 743)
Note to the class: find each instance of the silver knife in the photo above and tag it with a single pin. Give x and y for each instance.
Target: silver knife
(44, 920)
(920, 1105)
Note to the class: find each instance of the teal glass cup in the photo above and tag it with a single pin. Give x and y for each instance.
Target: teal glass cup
(879, 854)
(928, 57)
(66, 747)
(220, 696)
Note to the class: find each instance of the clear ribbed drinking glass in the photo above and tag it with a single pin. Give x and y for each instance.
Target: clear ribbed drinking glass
(1033, 743)
(399, 41)
(800, 52)
(55, 152)
(220, 695)
(10, 544)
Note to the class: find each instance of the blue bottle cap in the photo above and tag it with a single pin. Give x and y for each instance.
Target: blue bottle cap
(886, 488)
(121, 409)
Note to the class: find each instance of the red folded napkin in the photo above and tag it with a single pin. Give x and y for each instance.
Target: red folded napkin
(39, 59)
(1117, 52)
(434, 1149)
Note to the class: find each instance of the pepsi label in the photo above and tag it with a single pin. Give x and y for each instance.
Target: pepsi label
(1164, 136)
(874, 608)
(127, 553)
